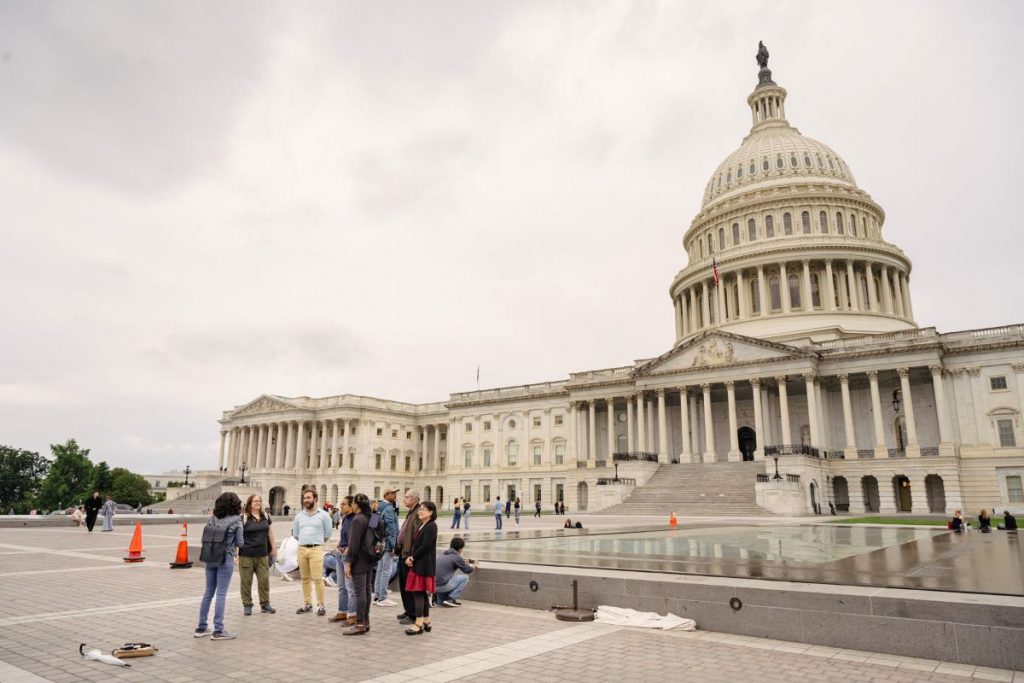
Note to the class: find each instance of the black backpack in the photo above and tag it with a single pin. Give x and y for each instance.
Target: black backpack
(377, 531)
(215, 539)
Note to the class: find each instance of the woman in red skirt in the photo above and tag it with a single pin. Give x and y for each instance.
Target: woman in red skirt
(422, 565)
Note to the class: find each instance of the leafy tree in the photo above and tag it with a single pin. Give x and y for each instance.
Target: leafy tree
(101, 477)
(129, 488)
(21, 472)
(70, 475)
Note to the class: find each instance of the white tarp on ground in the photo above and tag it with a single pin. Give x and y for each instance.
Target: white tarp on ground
(622, 616)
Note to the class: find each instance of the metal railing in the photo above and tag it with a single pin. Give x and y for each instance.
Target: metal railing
(637, 456)
(581, 464)
(793, 478)
(608, 481)
(763, 478)
(834, 455)
(792, 449)
(897, 453)
(930, 451)
(866, 453)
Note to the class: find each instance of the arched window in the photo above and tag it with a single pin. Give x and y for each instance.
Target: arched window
(807, 161)
(764, 164)
(792, 161)
(779, 163)
(787, 223)
(728, 177)
(839, 222)
(751, 230)
(753, 167)
(794, 290)
(805, 219)
(711, 243)
(823, 222)
(769, 226)
(721, 238)
(774, 294)
(735, 233)
(853, 224)
(700, 243)
(739, 171)
(831, 166)
(755, 296)
(815, 291)
(820, 164)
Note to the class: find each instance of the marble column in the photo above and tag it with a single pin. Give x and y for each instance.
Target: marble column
(850, 451)
(334, 462)
(684, 424)
(762, 289)
(881, 451)
(787, 434)
(851, 285)
(279, 456)
(220, 457)
(755, 385)
(942, 411)
(705, 306)
(345, 444)
(250, 446)
(573, 429)
(908, 305)
(913, 448)
(301, 452)
(869, 275)
(709, 426)
(290, 445)
(610, 405)
(812, 409)
(830, 292)
(692, 297)
(684, 313)
(662, 428)
(641, 424)
(886, 291)
(261, 453)
(898, 295)
(437, 450)
(679, 320)
(808, 302)
(784, 288)
(742, 309)
(592, 433)
(734, 445)
(314, 444)
(630, 436)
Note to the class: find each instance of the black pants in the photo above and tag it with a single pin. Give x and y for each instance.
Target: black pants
(90, 521)
(362, 585)
(421, 600)
(403, 573)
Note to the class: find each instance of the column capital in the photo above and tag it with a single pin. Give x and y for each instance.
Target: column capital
(843, 378)
(661, 392)
(610, 400)
(903, 372)
(806, 261)
(810, 377)
(682, 389)
(973, 372)
(936, 370)
(781, 379)
(872, 375)
(705, 387)
(957, 372)
(729, 384)
(828, 262)
(755, 382)
(1018, 368)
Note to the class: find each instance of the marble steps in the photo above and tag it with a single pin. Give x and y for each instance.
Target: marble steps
(711, 488)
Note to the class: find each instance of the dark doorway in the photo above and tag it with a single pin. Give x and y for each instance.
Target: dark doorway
(901, 491)
(748, 442)
(869, 489)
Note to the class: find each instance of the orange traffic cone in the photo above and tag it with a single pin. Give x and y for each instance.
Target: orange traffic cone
(181, 559)
(672, 520)
(135, 547)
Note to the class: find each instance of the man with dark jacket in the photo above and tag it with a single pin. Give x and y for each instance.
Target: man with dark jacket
(92, 509)
(403, 550)
(452, 573)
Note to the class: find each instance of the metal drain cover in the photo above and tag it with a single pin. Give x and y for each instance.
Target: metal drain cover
(574, 615)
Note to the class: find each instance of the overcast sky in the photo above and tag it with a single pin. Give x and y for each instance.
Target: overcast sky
(204, 202)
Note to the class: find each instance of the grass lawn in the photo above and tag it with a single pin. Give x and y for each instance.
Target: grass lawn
(891, 520)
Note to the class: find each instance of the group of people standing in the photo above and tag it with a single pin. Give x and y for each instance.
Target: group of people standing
(369, 543)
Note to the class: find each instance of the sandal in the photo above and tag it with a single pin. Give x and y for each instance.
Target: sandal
(413, 631)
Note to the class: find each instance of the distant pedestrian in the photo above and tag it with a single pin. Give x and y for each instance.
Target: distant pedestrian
(508, 507)
(311, 527)
(287, 509)
(456, 514)
(221, 535)
(537, 508)
(109, 510)
(256, 554)
(465, 513)
(497, 513)
(92, 509)
(422, 565)
(517, 508)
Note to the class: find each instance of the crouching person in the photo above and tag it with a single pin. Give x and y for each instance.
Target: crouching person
(453, 572)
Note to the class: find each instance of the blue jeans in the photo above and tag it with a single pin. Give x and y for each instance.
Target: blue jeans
(454, 588)
(380, 583)
(497, 520)
(346, 592)
(331, 566)
(217, 580)
(456, 519)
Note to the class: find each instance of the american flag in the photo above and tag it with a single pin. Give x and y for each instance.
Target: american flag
(714, 269)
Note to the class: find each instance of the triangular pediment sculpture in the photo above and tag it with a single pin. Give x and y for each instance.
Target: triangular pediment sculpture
(263, 404)
(717, 348)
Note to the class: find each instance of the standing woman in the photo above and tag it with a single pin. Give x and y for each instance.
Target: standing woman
(226, 536)
(256, 554)
(465, 512)
(422, 567)
(359, 564)
(518, 508)
(457, 517)
(92, 509)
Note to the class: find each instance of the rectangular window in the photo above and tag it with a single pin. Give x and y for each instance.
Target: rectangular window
(487, 426)
(1015, 489)
(352, 461)
(560, 493)
(1006, 435)
(408, 435)
(394, 463)
(558, 420)
(394, 433)
(487, 457)
(513, 454)
(353, 430)
(998, 383)
(487, 493)
(469, 426)
(377, 457)
(408, 464)
(444, 436)
(536, 454)
(536, 422)
(376, 493)
(536, 492)
(420, 464)
(559, 454)
(469, 457)
(442, 463)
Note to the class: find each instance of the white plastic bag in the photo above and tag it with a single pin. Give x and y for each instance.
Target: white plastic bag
(622, 616)
(287, 556)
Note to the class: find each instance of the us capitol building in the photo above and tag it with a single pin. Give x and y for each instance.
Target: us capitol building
(799, 382)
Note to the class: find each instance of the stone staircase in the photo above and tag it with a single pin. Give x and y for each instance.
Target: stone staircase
(201, 501)
(721, 488)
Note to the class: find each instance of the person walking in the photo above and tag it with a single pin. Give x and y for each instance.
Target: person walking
(359, 563)
(403, 550)
(536, 506)
(256, 554)
(383, 575)
(221, 536)
(457, 514)
(346, 589)
(517, 508)
(508, 507)
(109, 509)
(465, 513)
(312, 527)
(497, 513)
(92, 509)
(422, 565)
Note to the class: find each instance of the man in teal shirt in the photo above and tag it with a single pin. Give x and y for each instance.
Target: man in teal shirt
(312, 527)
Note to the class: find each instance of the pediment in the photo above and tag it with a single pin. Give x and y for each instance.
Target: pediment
(715, 349)
(262, 405)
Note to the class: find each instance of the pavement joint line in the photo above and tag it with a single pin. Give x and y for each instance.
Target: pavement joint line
(507, 653)
(65, 553)
(9, 672)
(33, 572)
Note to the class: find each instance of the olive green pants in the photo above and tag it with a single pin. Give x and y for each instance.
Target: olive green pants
(247, 566)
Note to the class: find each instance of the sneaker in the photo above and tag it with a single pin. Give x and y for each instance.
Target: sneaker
(386, 603)
(267, 609)
(305, 608)
(248, 610)
(321, 610)
(201, 633)
(449, 603)
(330, 581)
(454, 602)
(401, 616)
(223, 635)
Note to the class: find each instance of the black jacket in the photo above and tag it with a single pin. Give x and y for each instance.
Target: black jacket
(360, 545)
(424, 550)
(92, 506)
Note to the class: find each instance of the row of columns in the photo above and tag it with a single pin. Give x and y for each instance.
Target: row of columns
(279, 445)
(703, 304)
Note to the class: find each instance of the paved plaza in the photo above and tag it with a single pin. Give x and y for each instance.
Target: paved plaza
(63, 586)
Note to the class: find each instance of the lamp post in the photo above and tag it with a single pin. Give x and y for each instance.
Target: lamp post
(897, 400)
(777, 475)
(244, 467)
(188, 471)
(616, 471)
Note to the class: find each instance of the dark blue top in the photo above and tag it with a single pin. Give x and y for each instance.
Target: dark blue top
(346, 524)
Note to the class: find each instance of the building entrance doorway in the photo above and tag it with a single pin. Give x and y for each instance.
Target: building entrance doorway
(510, 491)
(276, 500)
(901, 492)
(748, 442)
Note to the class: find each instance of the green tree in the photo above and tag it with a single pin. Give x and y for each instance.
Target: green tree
(67, 483)
(129, 488)
(101, 477)
(21, 473)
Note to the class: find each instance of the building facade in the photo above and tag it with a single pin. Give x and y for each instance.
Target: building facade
(795, 339)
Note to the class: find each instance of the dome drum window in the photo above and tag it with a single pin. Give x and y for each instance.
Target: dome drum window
(792, 161)
(735, 233)
(823, 221)
(764, 164)
(753, 168)
(794, 290)
(769, 226)
(751, 230)
(787, 224)
(739, 171)
(805, 219)
(839, 223)
(779, 163)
